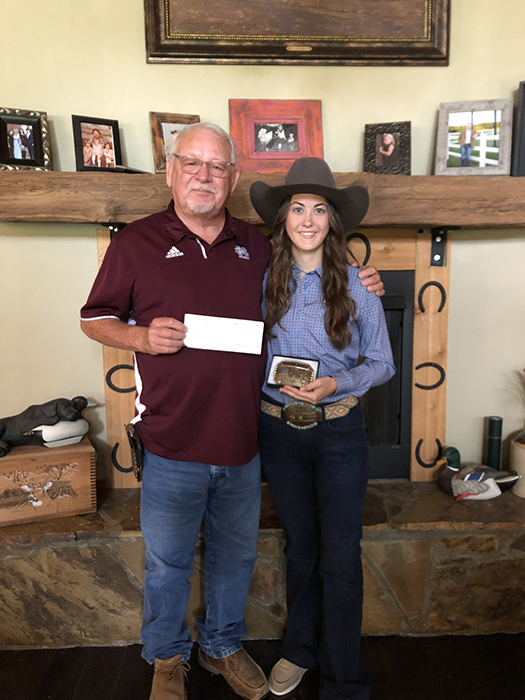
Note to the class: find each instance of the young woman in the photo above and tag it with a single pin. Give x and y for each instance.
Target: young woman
(312, 436)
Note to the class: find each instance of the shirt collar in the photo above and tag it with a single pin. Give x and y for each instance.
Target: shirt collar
(297, 270)
(176, 229)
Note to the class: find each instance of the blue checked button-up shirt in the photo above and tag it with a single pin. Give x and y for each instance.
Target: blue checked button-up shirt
(303, 335)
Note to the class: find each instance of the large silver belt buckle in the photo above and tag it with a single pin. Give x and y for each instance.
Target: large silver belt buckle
(302, 415)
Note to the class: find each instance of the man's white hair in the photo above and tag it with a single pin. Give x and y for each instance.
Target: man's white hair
(174, 138)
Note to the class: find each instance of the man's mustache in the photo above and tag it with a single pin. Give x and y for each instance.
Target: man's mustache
(206, 188)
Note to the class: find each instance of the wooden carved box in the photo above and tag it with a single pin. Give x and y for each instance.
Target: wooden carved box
(38, 483)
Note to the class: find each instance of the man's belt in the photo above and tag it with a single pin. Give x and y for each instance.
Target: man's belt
(303, 415)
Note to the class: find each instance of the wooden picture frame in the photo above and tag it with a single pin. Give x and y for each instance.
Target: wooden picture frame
(518, 148)
(359, 32)
(163, 125)
(269, 135)
(387, 148)
(97, 151)
(24, 140)
(474, 138)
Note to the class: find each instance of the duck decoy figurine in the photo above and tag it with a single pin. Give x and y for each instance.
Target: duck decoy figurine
(475, 482)
(52, 424)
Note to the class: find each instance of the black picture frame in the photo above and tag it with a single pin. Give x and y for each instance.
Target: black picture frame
(24, 140)
(518, 145)
(398, 162)
(84, 130)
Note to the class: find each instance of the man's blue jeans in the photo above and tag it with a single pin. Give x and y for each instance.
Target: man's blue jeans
(318, 478)
(465, 154)
(176, 497)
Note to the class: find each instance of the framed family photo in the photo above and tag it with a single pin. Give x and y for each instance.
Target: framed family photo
(270, 134)
(474, 138)
(163, 126)
(387, 148)
(97, 143)
(518, 150)
(24, 140)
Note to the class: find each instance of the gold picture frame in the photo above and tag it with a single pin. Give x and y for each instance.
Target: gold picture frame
(358, 32)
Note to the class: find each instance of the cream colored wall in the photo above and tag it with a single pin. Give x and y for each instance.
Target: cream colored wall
(89, 58)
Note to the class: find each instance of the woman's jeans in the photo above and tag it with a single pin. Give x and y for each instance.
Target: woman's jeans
(318, 478)
(176, 497)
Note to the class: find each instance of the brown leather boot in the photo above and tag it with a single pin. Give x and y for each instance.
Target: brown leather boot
(169, 679)
(241, 673)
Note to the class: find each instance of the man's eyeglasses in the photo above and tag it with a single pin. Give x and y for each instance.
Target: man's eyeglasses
(216, 168)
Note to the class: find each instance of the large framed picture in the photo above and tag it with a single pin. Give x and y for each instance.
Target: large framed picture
(357, 32)
(518, 151)
(270, 134)
(474, 138)
(387, 148)
(163, 126)
(24, 140)
(97, 143)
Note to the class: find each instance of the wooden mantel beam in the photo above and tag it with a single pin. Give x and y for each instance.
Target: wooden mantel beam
(396, 200)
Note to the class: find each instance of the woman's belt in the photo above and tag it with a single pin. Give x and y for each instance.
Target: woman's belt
(303, 415)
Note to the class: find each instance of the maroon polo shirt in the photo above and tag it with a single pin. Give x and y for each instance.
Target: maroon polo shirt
(194, 405)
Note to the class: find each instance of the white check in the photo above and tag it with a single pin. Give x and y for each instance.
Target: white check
(226, 334)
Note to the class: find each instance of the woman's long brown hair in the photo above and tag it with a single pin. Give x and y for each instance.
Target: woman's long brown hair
(280, 284)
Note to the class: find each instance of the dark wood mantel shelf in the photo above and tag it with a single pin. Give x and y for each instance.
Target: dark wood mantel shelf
(396, 200)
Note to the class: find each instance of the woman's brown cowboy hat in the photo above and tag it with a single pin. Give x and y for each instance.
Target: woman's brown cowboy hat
(311, 176)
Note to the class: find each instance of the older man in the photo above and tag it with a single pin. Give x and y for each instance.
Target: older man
(197, 410)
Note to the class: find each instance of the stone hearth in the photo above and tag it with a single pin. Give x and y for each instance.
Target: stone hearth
(432, 566)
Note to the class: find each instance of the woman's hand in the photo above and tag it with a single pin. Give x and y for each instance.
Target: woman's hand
(313, 392)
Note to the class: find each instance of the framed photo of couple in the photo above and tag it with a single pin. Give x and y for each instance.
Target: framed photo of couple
(24, 140)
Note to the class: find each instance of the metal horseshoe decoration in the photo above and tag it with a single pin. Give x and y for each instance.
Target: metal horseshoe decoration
(440, 381)
(115, 462)
(365, 240)
(435, 365)
(432, 283)
(429, 465)
(109, 379)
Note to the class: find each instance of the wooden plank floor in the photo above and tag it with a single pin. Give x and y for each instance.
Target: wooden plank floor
(402, 668)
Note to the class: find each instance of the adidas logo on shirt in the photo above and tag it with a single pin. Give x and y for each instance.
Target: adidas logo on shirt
(174, 252)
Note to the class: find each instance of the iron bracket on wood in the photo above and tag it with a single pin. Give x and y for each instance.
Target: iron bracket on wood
(439, 245)
(114, 227)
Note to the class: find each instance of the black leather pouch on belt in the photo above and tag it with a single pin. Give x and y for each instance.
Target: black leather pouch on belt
(137, 450)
